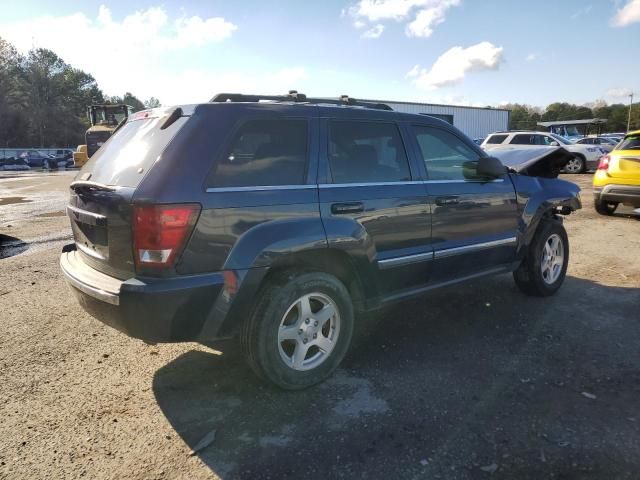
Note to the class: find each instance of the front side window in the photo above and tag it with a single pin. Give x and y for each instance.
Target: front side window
(366, 152)
(264, 153)
(446, 156)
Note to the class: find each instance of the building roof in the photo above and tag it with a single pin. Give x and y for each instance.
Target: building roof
(588, 121)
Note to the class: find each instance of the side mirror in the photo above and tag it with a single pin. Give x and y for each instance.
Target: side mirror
(490, 167)
(554, 144)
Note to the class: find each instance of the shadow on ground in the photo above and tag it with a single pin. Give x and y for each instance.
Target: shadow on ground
(10, 246)
(470, 380)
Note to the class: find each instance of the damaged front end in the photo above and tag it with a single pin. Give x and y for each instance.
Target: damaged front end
(534, 162)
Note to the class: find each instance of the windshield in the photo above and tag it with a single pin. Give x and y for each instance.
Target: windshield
(108, 116)
(630, 142)
(560, 139)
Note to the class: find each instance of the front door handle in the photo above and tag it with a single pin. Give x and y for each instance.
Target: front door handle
(447, 200)
(343, 208)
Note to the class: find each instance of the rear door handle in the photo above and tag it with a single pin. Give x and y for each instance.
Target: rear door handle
(343, 208)
(447, 200)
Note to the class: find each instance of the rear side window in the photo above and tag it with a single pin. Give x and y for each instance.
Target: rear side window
(522, 140)
(496, 139)
(366, 152)
(445, 156)
(264, 153)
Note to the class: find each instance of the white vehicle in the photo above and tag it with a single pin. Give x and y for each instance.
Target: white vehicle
(585, 156)
(606, 143)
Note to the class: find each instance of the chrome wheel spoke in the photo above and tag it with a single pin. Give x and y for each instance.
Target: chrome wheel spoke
(304, 307)
(325, 314)
(324, 344)
(299, 354)
(552, 259)
(288, 333)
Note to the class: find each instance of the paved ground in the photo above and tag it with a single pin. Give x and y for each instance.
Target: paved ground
(472, 382)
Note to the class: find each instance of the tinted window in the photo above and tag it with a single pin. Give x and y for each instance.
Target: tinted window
(630, 142)
(446, 156)
(364, 152)
(542, 140)
(522, 140)
(264, 152)
(495, 139)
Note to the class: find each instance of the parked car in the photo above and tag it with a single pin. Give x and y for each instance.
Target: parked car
(12, 163)
(293, 217)
(585, 156)
(617, 179)
(605, 143)
(59, 159)
(34, 158)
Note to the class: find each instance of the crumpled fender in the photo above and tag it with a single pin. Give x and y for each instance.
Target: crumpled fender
(538, 197)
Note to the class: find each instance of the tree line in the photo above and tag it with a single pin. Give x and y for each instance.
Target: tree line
(526, 117)
(44, 100)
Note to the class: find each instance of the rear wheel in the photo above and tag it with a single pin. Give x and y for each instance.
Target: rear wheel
(605, 208)
(300, 330)
(543, 270)
(577, 164)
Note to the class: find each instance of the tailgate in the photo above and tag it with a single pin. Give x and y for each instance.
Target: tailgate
(101, 224)
(625, 164)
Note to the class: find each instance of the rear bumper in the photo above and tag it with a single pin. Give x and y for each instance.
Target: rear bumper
(179, 309)
(627, 194)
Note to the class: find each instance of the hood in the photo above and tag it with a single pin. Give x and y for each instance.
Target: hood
(534, 162)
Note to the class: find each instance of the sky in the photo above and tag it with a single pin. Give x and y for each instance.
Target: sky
(464, 52)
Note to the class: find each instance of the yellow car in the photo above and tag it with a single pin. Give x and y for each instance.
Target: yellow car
(617, 179)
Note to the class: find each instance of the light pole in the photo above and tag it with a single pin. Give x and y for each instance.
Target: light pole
(629, 118)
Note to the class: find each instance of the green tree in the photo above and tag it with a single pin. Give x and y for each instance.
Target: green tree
(152, 102)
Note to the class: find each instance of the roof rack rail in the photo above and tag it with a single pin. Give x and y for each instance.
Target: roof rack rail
(294, 96)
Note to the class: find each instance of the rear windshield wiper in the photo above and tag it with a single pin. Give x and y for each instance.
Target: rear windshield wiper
(87, 185)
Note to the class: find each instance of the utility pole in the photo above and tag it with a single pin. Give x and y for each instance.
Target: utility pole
(629, 118)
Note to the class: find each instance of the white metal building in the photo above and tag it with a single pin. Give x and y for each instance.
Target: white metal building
(476, 122)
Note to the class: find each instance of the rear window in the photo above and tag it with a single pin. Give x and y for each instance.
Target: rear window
(127, 155)
(264, 153)
(496, 139)
(630, 142)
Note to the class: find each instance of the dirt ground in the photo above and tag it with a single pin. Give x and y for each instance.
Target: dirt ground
(474, 381)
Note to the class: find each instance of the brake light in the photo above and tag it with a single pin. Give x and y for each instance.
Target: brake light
(603, 164)
(160, 232)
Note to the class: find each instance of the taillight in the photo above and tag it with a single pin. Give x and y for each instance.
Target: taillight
(603, 164)
(160, 232)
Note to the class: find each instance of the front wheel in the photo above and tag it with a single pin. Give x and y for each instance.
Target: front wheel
(544, 268)
(300, 330)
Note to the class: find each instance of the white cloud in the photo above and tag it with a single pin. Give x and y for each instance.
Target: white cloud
(452, 66)
(414, 72)
(627, 15)
(374, 32)
(427, 19)
(424, 14)
(618, 92)
(123, 55)
(531, 57)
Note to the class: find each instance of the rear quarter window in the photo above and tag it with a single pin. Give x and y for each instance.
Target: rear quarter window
(266, 152)
(496, 139)
(630, 142)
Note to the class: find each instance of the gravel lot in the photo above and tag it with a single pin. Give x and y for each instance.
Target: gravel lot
(475, 381)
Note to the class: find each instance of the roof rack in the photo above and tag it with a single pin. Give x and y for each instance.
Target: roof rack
(294, 96)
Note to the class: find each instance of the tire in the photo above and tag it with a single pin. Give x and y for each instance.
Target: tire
(278, 342)
(605, 208)
(578, 164)
(530, 276)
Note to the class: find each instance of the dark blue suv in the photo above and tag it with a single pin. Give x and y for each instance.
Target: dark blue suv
(277, 220)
